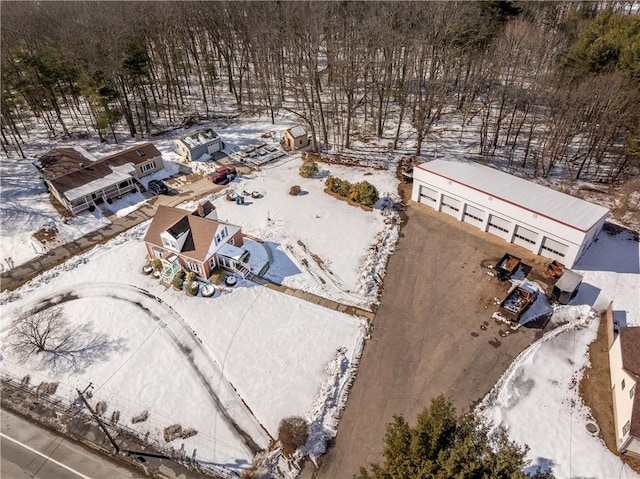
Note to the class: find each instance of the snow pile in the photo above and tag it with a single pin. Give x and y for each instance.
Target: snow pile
(537, 398)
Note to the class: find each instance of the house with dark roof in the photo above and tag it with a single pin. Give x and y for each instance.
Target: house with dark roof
(624, 363)
(80, 181)
(195, 241)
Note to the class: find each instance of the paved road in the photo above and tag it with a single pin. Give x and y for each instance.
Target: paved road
(428, 337)
(29, 451)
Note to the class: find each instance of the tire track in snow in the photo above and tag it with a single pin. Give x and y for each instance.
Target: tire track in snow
(169, 318)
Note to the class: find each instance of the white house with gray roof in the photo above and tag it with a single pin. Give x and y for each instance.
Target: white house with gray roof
(547, 222)
(195, 144)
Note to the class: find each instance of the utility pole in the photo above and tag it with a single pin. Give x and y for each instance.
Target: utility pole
(97, 418)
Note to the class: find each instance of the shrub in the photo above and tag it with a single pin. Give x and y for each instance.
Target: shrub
(293, 433)
(332, 183)
(354, 188)
(217, 276)
(367, 193)
(308, 169)
(178, 280)
(295, 190)
(343, 187)
(157, 265)
(192, 288)
(190, 277)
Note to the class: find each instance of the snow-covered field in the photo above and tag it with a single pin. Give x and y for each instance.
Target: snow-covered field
(275, 350)
(233, 365)
(537, 399)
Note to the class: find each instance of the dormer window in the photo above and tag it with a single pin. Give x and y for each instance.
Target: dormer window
(169, 243)
(140, 152)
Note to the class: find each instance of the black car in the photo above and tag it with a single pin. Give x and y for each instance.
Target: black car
(157, 187)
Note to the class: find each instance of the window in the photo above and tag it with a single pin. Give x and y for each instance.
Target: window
(140, 152)
(231, 242)
(218, 238)
(212, 263)
(148, 166)
(632, 392)
(625, 429)
(195, 267)
(623, 384)
(169, 243)
(158, 253)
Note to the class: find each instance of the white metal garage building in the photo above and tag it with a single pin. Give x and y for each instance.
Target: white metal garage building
(545, 221)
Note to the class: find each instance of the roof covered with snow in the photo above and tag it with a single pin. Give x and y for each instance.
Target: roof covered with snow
(297, 131)
(539, 199)
(199, 138)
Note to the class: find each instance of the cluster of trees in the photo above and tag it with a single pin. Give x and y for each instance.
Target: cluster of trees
(547, 84)
(444, 446)
(362, 192)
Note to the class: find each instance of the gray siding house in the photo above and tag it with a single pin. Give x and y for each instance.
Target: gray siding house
(194, 145)
(80, 181)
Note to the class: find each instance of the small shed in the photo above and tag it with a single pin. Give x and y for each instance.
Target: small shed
(296, 138)
(566, 287)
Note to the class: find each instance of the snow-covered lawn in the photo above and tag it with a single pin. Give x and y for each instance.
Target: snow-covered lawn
(177, 356)
(537, 399)
(333, 249)
(24, 202)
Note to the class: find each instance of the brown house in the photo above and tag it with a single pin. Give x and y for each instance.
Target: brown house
(195, 241)
(80, 181)
(295, 138)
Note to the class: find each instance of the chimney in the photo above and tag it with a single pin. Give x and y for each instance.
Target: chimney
(201, 210)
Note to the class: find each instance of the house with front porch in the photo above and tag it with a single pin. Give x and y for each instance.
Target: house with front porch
(79, 181)
(195, 241)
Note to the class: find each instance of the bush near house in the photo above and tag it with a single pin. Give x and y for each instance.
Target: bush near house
(217, 276)
(178, 279)
(190, 277)
(192, 288)
(309, 169)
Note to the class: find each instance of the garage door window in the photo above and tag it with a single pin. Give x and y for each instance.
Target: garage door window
(498, 226)
(524, 236)
(427, 195)
(473, 214)
(450, 205)
(553, 248)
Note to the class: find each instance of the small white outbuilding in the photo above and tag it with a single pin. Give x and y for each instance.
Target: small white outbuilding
(549, 223)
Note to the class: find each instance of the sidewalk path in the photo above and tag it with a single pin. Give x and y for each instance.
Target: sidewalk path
(19, 275)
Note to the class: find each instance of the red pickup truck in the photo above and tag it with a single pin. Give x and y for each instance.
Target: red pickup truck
(223, 175)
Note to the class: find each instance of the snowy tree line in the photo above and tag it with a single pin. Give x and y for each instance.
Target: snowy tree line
(546, 84)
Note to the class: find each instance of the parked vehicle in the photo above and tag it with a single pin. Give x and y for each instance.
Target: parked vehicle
(223, 175)
(157, 187)
(517, 302)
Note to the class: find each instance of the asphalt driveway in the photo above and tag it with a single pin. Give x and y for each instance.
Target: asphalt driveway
(433, 334)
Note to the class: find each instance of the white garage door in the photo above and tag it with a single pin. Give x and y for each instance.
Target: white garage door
(428, 196)
(525, 237)
(553, 249)
(451, 206)
(473, 215)
(498, 226)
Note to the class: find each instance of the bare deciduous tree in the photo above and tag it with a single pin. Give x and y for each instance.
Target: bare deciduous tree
(59, 345)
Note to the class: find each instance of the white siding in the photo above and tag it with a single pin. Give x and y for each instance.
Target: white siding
(450, 205)
(473, 215)
(498, 226)
(525, 237)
